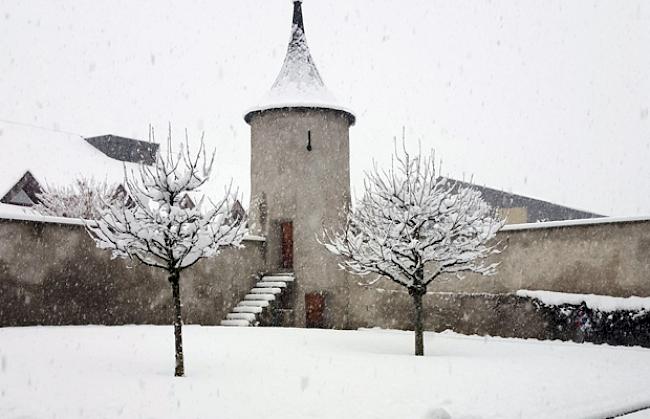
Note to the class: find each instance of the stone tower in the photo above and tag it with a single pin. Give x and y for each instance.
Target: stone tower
(300, 181)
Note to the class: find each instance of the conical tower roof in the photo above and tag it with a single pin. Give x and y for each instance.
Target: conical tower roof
(299, 84)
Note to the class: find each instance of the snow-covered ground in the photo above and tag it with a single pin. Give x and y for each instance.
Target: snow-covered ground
(126, 372)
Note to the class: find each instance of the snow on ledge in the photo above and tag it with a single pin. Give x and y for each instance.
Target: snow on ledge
(29, 215)
(603, 303)
(24, 214)
(570, 223)
(254, 238)
(315, 105)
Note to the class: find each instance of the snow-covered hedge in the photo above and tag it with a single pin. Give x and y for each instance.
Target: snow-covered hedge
(603, 303)
(593, 318)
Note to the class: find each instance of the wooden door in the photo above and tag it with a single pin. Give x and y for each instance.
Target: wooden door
(315, 310)
(287, 245)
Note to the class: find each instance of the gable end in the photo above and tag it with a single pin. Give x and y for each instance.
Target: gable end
(24, 192)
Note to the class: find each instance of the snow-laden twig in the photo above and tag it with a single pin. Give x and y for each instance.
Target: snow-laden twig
(156, 227)
(82, 199)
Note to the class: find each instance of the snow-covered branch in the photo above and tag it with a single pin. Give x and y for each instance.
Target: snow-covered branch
(156, 227)
(412, 225)
(83, 199)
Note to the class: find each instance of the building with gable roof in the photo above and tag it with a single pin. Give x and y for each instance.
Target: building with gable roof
(43, 157)
(519, 209)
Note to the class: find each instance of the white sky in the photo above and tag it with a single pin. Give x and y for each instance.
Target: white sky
(548, 99)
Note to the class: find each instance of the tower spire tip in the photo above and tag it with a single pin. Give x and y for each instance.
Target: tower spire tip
(297, 15)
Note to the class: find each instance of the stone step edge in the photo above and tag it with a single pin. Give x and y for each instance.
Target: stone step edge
(261, 297)
(253, 303)
(271, 290)
(240, 323)
(271, 284)
(247, 309)
(241, 316)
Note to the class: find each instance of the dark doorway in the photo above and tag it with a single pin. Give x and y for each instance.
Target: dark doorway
(287, 244)
(315, 310)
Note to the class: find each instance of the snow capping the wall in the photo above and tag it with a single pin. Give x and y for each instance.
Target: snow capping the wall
(573, 223)
(13, 212)
(604, 303)
(25, 214)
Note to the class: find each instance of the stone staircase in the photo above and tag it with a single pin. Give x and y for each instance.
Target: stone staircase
(257, 307)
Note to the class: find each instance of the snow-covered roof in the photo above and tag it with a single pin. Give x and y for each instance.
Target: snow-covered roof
(53, 158)
(299, 84)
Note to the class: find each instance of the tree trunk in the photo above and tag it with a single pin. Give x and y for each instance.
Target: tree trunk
(417, 322)
(178, 324)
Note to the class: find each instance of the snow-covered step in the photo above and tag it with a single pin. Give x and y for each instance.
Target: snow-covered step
(248, 309)
(267, 297)
(265, 291)
(253, 303)
(283, 278)
(241, 316)
(240, 323)
(278, 274)
(271, 284)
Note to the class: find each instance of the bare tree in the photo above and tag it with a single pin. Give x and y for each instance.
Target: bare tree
(411, 226)
(83, 199)
(159, 230)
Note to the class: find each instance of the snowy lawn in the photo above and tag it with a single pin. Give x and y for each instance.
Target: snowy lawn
(126, 372)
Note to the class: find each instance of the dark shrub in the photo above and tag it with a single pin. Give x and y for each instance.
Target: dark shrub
(581, 323)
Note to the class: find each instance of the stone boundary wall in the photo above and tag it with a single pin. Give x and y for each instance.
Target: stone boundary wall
(587, 257)
(598, 256)
(51, 273)
(505, 315)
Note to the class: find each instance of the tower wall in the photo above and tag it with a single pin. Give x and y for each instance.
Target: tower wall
(308, 188)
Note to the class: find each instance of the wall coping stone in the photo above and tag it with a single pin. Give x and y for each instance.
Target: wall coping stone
(25, 216)
(38, 218)
(572, 223)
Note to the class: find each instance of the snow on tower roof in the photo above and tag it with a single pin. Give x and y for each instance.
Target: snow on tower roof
(299, 85)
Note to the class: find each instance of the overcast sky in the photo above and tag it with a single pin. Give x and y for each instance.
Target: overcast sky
(548, 99)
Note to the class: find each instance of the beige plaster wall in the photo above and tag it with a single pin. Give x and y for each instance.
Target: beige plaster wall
(53, 274)
(484, 314)
(610, 258)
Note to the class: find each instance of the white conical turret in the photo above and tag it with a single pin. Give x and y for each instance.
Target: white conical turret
(299, 84)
